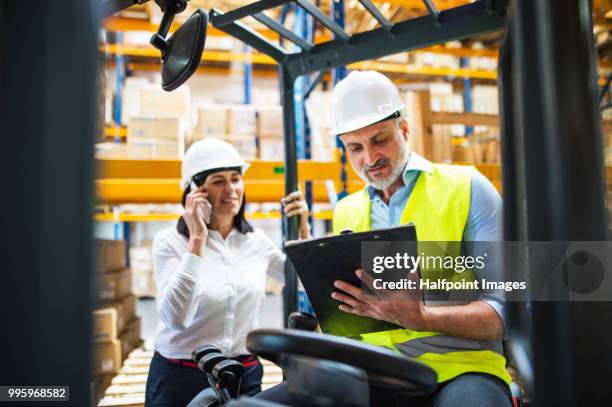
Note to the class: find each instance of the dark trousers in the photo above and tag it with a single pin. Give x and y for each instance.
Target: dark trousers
(171, 384)
(470, 389)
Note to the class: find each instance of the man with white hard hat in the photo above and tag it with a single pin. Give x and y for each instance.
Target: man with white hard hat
(446, 203)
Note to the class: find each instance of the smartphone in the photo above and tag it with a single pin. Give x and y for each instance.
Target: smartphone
(206, 209)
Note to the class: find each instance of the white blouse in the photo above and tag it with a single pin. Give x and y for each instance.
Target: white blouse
(214, 299)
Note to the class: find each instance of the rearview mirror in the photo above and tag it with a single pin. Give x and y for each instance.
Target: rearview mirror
(182, 52)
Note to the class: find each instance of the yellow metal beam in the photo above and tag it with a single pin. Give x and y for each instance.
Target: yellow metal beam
(202, 69)
(160, 169)
(423, 70)
(460, 52)
(467, 119)
(135, 217)
(119, 191)
(116, 191)
(115, 131)
(263, 186)
(149, 169)
(210, 56)
(420, 5)
(160, 217)
(156, 181)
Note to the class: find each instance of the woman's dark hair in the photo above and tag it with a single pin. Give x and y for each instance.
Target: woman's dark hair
(240, 222)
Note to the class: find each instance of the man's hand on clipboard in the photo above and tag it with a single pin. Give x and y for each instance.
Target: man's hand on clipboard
(398, 307)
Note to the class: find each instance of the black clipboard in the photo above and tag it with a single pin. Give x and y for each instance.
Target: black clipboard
(320, 262)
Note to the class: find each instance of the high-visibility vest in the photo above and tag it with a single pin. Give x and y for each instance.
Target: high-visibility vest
(438, 206)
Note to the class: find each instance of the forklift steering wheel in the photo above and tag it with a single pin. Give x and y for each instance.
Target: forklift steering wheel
(385, 369)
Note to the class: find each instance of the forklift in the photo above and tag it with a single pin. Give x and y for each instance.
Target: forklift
(552, 161)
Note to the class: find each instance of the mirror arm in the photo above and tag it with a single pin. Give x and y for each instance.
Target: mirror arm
(170, 9)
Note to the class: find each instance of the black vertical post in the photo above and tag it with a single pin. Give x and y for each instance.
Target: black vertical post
(290, 298)
(518, 325)
(514, 219)
(562, 152)
(48, 116)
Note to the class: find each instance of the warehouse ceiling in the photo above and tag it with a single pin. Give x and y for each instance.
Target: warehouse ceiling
(357, 19)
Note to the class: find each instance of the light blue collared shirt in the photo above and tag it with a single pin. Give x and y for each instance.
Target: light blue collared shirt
(484, 223)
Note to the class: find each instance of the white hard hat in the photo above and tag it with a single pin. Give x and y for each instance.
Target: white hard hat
(361, 99)
(209, 154)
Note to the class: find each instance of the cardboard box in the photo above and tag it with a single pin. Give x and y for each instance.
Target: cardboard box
(212, 120)
(245, 143)
(107, 323)
(491, 153)
(113, 286)
(158, 150)
(132, 333)
(442, 147)
(471, 154)
(129, 306)
(130, 97)
(271, 148)
(108, 357)
(241, 119)
(147, 129)
(479, 150)
(120, 312)
(110, 255)
(270, 122)
(156, 101)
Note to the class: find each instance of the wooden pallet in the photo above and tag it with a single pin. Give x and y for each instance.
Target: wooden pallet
(127, 389)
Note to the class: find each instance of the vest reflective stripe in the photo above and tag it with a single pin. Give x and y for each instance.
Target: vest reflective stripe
(438, 206)
(442, 344)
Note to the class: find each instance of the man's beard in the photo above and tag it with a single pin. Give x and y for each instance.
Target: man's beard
(397, 169)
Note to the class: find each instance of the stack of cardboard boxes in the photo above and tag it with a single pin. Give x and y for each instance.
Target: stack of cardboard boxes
(256, 131)
(160, 128)
(158, 137)
(477, 151)
(270, 132)
(116, 328)
(158, 123)
(236, 124)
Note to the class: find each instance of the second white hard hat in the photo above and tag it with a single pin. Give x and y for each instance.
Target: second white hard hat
(361, 99)
(209, 154)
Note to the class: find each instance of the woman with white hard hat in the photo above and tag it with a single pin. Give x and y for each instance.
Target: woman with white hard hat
(210, 272)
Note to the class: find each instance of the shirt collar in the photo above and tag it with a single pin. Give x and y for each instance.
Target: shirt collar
(217, 235)
(415, 163)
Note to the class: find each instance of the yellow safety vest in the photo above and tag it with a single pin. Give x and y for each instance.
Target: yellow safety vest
(438, 206)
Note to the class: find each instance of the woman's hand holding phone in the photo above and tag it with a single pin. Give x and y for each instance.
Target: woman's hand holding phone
(197, 214)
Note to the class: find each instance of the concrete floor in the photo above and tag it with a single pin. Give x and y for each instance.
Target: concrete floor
(270, 317)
